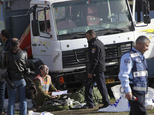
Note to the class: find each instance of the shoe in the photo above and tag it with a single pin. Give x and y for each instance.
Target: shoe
(87, 107)
(104, 106)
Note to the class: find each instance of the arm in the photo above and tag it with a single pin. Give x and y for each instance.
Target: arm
(27, 67)
(52, 88)
(125, 74)
(94, 57)
(5, 60)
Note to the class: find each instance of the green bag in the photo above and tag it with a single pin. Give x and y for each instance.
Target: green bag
(77, 96)
(80, 95)
(55, 105)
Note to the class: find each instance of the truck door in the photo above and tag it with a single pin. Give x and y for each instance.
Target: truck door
(43, 40)
(142, 28)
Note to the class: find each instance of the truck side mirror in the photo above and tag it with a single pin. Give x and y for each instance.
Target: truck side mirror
(35, 29)
(146, 11)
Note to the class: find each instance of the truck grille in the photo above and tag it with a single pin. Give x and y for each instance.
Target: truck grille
(113, 55)
(69, 59)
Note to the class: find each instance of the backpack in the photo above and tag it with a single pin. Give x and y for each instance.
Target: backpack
(80, 95)
(30, 88)
(54, 105)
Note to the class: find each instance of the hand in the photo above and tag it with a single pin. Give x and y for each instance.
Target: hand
(27, 71)
(90, 75)
(128, 95)
(57, 90)
(53, 96)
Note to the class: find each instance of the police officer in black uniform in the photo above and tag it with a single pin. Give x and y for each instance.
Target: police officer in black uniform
(96, 52)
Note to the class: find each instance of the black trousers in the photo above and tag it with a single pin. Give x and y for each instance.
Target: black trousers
(100, 80)
(138, 107)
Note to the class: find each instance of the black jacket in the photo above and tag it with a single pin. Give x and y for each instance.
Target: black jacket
(16, 72)
(7, 45)
(96, 51)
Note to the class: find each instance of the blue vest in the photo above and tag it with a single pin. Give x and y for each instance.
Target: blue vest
(139, 72)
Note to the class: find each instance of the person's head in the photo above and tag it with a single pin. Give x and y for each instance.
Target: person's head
(90, 34)
(142, 44)
(15, 45)
(5, 35)
(44, 70)
(14, 42)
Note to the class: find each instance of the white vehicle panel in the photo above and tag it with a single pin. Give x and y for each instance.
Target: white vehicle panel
(148, 31)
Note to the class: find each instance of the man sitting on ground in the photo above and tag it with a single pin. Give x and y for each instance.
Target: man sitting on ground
(44, 87)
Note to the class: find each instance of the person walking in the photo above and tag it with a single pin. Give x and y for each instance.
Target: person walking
(133, 76)
(96, 53)
(5, 37)
(16, 63)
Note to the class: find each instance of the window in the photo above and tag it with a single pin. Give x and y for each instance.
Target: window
(76, 17)
(139, 13)
(44, 22)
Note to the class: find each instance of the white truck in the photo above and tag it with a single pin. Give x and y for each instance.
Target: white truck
(58, 29)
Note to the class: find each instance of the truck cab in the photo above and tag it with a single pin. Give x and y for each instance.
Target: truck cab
(58, 29)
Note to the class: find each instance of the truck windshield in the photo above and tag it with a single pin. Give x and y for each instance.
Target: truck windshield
(74, 18)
